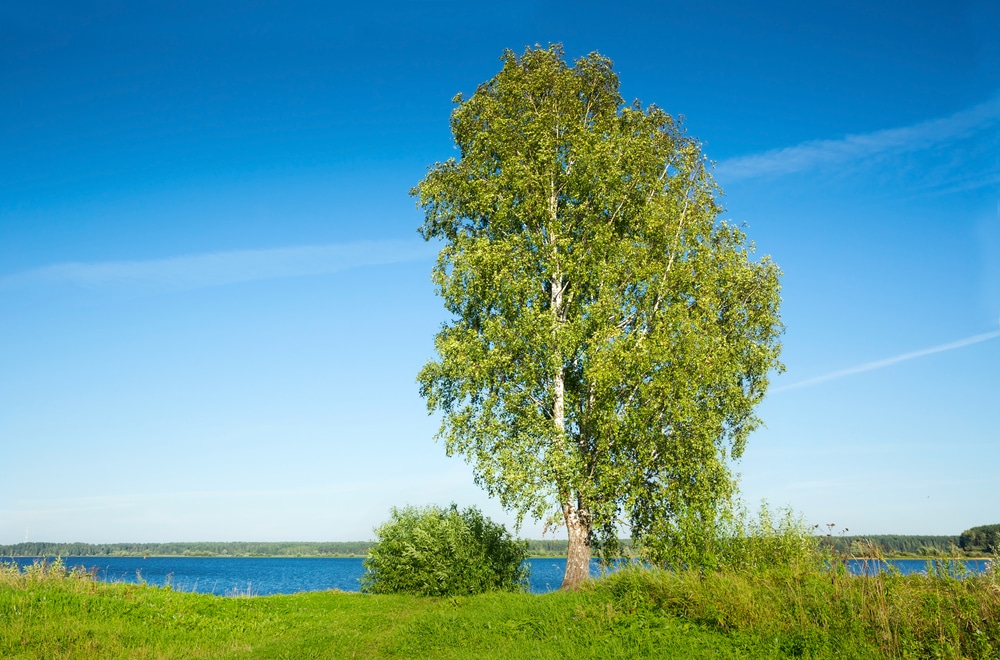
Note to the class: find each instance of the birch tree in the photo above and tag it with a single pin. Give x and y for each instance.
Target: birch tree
(609, 336)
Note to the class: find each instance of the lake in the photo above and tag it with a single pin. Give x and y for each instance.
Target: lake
(263, 576)
(259, 576)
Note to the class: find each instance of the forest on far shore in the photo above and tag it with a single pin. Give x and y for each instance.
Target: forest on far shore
(889, 545)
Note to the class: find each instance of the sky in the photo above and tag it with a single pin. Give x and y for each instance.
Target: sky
(214, 302)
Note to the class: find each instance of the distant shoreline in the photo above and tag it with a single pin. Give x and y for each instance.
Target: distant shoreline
(56, 556)
(889, 546)
(307, 549)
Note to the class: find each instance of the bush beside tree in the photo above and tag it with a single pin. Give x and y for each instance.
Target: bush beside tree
(437, 551)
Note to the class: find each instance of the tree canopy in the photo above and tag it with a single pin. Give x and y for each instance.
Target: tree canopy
(985, 538)
(609, 335)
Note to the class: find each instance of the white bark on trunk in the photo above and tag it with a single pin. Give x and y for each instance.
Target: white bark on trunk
(578, 552)
(576, 517)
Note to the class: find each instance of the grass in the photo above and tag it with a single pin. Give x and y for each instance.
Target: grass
(47, 611)
(51, 613)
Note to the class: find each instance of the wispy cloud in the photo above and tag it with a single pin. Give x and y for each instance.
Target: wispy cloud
(881, 364)
(219, 268)
(819, 153)
(416, 486)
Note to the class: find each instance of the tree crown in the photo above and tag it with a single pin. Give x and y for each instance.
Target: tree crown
(610, 336)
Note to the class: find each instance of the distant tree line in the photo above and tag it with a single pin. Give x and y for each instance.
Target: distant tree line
(536, 548)
(199, 549)
(985, 538)
(977, 540)
(895, 545)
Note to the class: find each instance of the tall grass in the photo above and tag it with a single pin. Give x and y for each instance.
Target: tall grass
(45, 572)
(772, 578)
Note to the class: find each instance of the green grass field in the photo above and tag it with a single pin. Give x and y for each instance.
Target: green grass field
(768, 614)
(82, 619)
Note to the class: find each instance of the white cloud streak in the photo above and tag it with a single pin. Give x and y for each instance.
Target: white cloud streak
(888, 362)
(818, 153)
(360, 488)
(220, 268)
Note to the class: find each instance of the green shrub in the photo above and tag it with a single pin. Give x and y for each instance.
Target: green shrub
(435, 551)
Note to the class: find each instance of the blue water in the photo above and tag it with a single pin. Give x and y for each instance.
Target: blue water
(952, 567)
(233, 576)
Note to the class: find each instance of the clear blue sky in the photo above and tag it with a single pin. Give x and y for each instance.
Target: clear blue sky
(213, 302)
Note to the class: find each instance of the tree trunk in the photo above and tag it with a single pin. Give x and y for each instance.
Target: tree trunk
(577, 517)
(578, 553)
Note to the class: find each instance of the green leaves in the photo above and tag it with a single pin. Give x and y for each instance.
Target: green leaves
(985, 538)
(433, 551)
(609, 336)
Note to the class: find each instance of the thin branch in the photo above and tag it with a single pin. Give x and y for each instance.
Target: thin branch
(538, 402)
(680, 222)
(615, 214)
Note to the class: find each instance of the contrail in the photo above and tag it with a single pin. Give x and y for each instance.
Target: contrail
(818, 153)
(879, 364)
(220, 268)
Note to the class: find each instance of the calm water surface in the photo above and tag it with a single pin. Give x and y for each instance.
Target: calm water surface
(231, 576)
